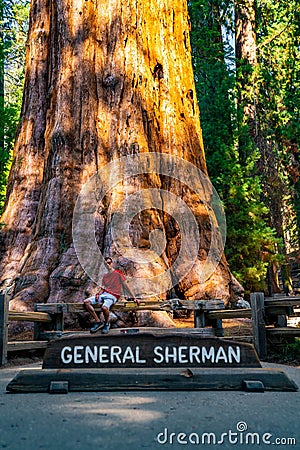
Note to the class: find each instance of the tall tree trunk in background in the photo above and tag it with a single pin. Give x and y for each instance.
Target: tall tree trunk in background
(211, 74)
(246, 53)
(103, 80)
(245, 43)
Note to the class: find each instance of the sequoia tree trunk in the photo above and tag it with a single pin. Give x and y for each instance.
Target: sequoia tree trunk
(104, 80)
(246, 55)
(272, 185)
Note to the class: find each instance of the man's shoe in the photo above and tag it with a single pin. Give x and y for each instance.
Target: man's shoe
(106, 328)
(97, 326)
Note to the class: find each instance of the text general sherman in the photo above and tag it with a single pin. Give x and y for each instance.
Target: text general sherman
(193, 354)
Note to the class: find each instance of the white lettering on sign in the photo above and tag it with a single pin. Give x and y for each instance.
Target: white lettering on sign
(103, 357)
(169, 354)
(208, 354)
(221, 355)
(156, 352)
(182, 358)
(235, 354)
(78, 358)
(66, 359)
(138, 360)
(195, 353)
(91, 354)
(115, 352)
(128, 355)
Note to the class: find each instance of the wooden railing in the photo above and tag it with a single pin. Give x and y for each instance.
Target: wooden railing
(270, 315)
(26, 316)
(48, 319)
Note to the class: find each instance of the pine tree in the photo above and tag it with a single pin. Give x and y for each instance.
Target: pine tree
(278, 87)
(230, 151)
(13, 32)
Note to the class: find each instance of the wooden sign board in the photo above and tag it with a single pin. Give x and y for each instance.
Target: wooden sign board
(142, 349)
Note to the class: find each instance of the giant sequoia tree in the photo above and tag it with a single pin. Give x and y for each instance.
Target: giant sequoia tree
(104, 80)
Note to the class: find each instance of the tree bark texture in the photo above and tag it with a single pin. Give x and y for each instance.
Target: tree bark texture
(268, 163)
(103, 80)
(245, 25)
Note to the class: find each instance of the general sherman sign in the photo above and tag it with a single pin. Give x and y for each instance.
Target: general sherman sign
(167, 355)
(149, 359)
(148, 350)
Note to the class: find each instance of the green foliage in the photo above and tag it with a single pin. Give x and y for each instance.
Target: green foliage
(254, 171)
(231, 155)
(287, 353)
(13, 32)
(277, 82)
(294, 349)
(278, 71)
(250, 242)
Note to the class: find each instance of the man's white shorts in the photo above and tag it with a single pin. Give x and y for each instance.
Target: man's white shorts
(105, 299)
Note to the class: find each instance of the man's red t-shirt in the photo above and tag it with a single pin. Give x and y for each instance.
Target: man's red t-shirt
(112, 282)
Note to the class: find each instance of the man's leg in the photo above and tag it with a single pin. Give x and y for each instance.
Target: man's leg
(88, 306)
(108, 301)
(106, 327)
(105, 311)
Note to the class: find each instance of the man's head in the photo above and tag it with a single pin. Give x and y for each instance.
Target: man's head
(109, 263)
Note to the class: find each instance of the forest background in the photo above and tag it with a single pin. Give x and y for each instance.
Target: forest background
(246, 58)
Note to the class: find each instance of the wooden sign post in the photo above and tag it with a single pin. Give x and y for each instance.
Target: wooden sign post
(259, 328)
(3, 328)
(181, 359)
(157, 349)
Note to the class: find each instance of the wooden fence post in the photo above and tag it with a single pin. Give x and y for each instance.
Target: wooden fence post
(38, 327)
(259, 327)
(3, 328)
(199, 319)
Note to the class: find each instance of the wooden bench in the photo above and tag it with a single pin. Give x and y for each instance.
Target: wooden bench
(58, 310)
(48, 319)
(25, 316)
(272, 310)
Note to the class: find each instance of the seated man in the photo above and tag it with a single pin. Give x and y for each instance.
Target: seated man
(112, 284)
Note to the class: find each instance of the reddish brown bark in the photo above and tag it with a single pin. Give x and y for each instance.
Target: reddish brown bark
(245, 23)
(103, 80)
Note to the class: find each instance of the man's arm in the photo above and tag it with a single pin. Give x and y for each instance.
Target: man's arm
(98, 294)
(127, 288)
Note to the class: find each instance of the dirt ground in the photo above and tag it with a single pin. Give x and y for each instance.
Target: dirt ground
(232, 327)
